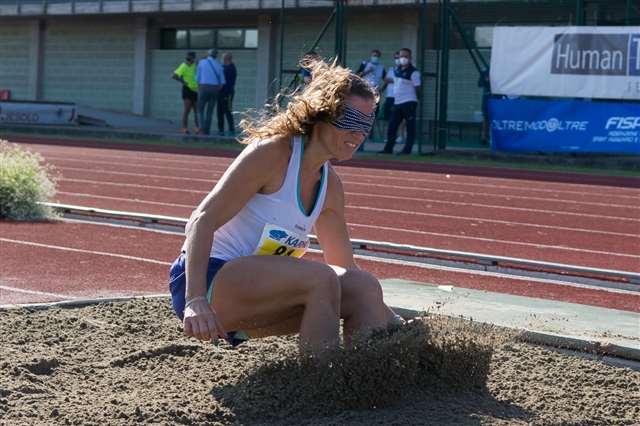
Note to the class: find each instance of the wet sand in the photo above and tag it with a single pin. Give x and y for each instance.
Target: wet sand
(124, 363)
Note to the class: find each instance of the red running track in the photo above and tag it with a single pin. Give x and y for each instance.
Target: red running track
(585, 220)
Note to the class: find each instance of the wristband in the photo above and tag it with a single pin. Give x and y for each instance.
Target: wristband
(195, 299)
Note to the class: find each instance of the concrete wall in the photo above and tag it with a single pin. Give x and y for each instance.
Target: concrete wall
(14, 49)
(96, 61)
(90, 63)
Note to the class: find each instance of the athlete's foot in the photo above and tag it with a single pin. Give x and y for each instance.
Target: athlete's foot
(185, 131)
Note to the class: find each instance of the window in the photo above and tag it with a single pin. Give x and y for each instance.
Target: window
(201, 39)
(230, 39)
(207, 38)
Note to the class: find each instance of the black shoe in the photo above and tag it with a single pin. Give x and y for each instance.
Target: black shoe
(383, 152)
(484, 143)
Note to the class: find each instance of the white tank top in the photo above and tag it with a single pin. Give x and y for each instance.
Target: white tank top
(272, 223)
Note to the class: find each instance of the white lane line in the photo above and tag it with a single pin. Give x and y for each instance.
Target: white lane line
(501, 222)
(400, 212)
(395, 189)
(129, 200)
(552, 212)
(194, 191)
(99, 253)
(489, 206)
(136, 185)
(39, 293)
(484, 194)
(540, 246)
(140, 175)
(128, 226)
(358, 177)
(172, 161)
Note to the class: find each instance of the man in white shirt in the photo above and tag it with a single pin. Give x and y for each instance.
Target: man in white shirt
(406, 89)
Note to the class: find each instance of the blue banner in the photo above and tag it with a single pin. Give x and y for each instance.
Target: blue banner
(525, 125)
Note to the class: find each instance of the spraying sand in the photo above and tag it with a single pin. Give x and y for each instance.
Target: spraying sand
(128, 362)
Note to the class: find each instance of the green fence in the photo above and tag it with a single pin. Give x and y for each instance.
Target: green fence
(453, 58)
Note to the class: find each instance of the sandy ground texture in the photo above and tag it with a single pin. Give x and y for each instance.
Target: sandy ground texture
(122, 363)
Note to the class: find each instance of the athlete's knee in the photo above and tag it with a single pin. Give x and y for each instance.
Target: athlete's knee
(365, 288)
(324, 285)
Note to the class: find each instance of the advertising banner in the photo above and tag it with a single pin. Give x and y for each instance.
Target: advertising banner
(526, 125)
(572, 62)
(38, 113)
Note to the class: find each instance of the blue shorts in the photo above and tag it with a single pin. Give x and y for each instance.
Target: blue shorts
(178, 285)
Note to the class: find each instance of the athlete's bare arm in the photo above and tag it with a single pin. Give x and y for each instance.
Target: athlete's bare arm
(260, 167)
(331, 226)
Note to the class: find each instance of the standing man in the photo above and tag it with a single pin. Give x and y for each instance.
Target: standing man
(225, 96)
(373, 73)
(406, 88)
(186, 75)
(210, 77)
(483, 81)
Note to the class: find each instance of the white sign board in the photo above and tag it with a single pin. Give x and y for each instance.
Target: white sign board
(573, 62)
(38, 113)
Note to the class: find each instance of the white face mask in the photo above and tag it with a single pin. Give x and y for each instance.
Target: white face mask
(404, 61)
(397, 61)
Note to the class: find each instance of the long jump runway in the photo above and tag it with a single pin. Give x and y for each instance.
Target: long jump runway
(590, 221)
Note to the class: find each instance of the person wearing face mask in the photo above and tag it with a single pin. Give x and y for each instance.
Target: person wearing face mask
(390, 99)
(373, 73)
(406, 88)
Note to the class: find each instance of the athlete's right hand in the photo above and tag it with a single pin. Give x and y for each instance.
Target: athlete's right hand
(201, 322)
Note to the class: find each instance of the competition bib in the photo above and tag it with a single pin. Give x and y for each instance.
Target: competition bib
(282, 242)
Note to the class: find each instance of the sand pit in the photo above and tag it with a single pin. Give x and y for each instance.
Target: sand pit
(126, 363)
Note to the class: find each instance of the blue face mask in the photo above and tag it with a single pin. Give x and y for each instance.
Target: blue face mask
(354, 121)
(375, 59)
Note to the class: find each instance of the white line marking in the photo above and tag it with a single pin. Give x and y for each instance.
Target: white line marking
(503, 222)
(140, 175)
(39, 293)
(172, 161)
(543, 246)
(490, 206)
(448, 182)
(485, 194)
(99, 253)
(136, 185)
(357, 180)
(394, 187)
(104, 197)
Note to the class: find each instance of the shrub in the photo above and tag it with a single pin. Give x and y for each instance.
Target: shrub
(24, 183)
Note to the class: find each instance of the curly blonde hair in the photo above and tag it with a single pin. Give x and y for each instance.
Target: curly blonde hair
(322, 100)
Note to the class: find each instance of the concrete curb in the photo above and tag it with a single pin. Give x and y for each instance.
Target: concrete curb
(557, 340)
